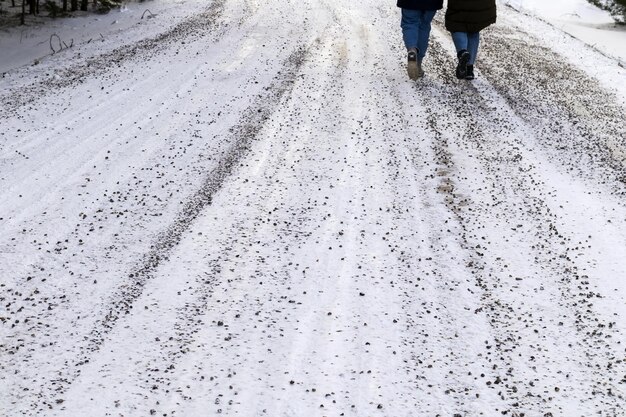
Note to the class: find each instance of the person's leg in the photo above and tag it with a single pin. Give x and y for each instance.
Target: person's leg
(426, 18)
(460, 40)
(410, 26)
(473, 41)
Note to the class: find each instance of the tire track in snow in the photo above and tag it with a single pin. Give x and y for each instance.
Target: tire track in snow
(438, 291)
(444, 365)
(199, 26)
(175, 353)
(448, 368)
(572, 113)
(195, 327)
(502, 159)
(69, 282)
(582, 126)
(314, 353)
(187, 325)
(263, 305)
(242, 135)
(134, 202)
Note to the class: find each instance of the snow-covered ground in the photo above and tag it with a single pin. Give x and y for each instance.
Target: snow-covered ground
(30, 44)
(244, 207)
(582, 20)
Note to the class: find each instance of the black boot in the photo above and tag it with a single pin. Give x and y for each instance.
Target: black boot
(461, 68)
(470, 72)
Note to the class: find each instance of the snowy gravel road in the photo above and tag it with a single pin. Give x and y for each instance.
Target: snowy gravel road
(254, 212)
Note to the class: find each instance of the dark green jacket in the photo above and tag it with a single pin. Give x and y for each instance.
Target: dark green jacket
(470, 15)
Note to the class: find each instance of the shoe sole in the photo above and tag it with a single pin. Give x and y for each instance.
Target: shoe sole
(420, 70)
(461, 68)
(412, 70)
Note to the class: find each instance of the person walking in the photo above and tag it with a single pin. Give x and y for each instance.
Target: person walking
(465, 19)
(417, 16)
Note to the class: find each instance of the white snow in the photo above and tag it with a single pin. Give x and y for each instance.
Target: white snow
(581, 19)
(244, 207)
(29, 45)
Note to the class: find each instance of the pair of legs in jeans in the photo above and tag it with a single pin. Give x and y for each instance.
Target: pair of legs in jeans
(416, 26)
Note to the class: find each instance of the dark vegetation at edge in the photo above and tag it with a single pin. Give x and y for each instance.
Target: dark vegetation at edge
(617, 8)
(56, 8)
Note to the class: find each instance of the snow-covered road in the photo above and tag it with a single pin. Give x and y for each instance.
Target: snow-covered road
(254, 212)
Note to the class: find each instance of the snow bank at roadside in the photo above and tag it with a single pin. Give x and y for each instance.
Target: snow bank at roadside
(580, 19)
(27, 45)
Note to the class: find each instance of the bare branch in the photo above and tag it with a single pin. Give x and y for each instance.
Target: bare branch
(60, 43)
(150, 16)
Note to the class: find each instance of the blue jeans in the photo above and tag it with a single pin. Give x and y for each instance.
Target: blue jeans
(416, 29)
(467, 41)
